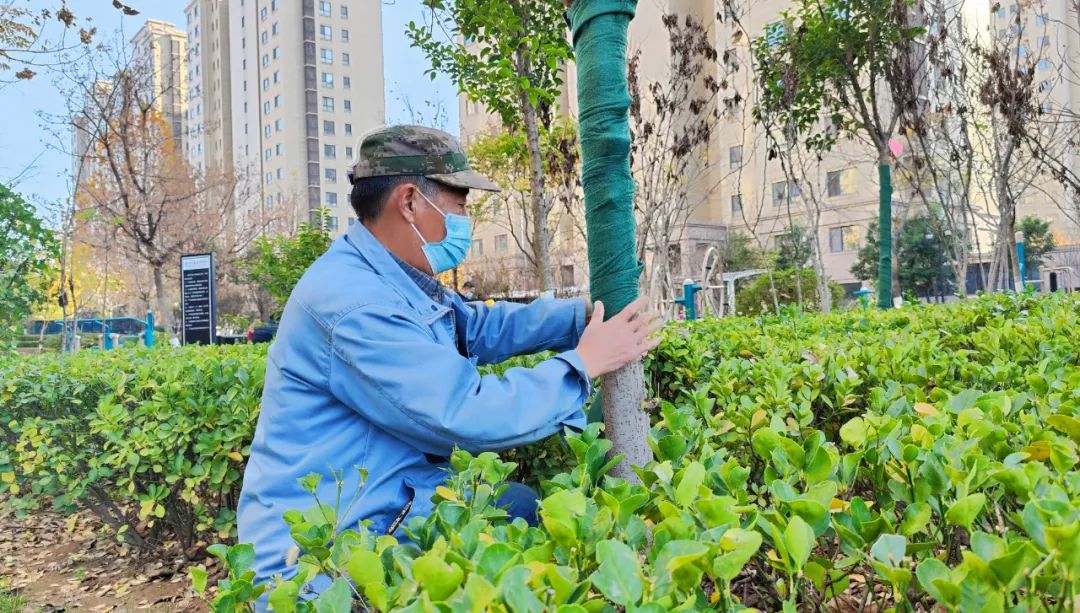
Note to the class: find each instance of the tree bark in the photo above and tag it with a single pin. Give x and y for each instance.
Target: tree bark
(162, 305)
(627, 424)
(538, 197)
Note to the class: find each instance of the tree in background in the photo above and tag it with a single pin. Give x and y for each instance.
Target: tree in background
(274, 264)
(504, 158)
(920, 258)
(844, 67)
(1038, 241)
(672, 123)
(508, 55)
(794, 248)
(740, 252)
(27, 249)
(22, 43)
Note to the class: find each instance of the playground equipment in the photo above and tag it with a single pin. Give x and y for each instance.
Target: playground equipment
(716, 289)
(113, 330)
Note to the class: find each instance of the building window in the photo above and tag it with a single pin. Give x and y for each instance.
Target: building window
(328, 56)
(736, 204)
(1044, 64)
(1044, 86)
(266, 84)
(327, 103)
(266, 107)
(348, 105)
(275, 28)
(277, 76)
(326, 32)
(1041, 20)
(279, 173)
(1044, 41)
(344, 12)
(264, 37)
(328, 127)
(329, 152)
(783, 192)
(273, 5)
(266, 60)
(348, 129)
(267, 154)
(346, 82)
(327, 79)
(331, 175)
(324, 8)
(277, 149)
(277, 100)
(840, 183)
(735, 156)
(331, 198)
(844, 239)
(774, 33)
(344, 35)
(478, 247)
(277, 52)
(266, 131)
(345, 59)
(277, 125)
(263, 14)
(348, 153)
(501, 244)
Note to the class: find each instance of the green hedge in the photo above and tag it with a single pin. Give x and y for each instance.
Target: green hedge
(930, 451)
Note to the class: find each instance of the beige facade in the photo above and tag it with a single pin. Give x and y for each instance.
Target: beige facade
(307, 81)
(208, 120)
(161, 49)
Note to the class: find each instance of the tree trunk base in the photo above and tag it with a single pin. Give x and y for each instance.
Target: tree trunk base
(627, 423)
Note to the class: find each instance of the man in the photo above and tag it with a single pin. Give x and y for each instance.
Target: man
(375, 363)
(468, 290)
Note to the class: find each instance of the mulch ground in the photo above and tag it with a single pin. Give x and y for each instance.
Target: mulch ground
(66, 564)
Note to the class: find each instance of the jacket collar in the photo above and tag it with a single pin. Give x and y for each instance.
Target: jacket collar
(380, 260)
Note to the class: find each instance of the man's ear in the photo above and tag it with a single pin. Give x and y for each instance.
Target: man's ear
(403, 199)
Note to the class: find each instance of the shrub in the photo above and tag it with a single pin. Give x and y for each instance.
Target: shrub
(755, 298)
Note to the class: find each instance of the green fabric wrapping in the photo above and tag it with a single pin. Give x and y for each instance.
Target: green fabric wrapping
(599, 35)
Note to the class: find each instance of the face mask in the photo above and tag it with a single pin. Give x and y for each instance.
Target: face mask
(450, 251)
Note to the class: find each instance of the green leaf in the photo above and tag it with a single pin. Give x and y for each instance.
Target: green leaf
(738, 546)
(799, 540)
(365, 568)
(933, 576)
(198, 578)
(965, 510)
(692, 478)
(889, 549)
(854, 432)
(240, 558)
(619, 575)
(438, 578)
(916, 517)
(283, 597)
(336, 599)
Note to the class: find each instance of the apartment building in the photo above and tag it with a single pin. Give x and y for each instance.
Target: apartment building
(306, 82)
(208, 128)
(160, 49)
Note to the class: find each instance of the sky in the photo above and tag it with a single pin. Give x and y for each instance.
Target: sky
(28, 152)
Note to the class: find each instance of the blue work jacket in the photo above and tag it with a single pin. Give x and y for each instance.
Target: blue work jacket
(367, 371)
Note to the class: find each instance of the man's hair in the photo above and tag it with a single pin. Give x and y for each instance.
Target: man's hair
(369, 194)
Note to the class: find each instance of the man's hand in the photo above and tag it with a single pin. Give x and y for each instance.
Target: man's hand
(607, 346)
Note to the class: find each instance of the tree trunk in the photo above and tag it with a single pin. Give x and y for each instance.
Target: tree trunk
(885, 238)
(538, 197)
(599, 35)
(162, 305)
(824, 296)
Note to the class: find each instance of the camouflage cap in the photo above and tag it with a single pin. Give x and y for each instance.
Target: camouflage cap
(416, 150)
